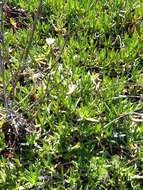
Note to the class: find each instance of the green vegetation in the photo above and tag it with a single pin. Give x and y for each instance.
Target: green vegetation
(71, 114)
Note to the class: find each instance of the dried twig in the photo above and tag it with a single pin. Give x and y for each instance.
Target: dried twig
(2, 51)
(26, 51)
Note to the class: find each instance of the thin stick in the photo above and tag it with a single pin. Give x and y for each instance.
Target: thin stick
(25, 55)
(26, 51)
(2, 50)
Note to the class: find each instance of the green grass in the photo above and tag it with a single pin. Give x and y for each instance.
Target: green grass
(77, 106)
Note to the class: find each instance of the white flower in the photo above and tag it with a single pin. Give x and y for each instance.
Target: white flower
(50, 41)
(72, 88)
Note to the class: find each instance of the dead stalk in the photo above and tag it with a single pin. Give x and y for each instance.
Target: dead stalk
(2, 54)
(30, 39)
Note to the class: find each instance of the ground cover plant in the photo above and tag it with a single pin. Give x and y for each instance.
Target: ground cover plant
(71, 92)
